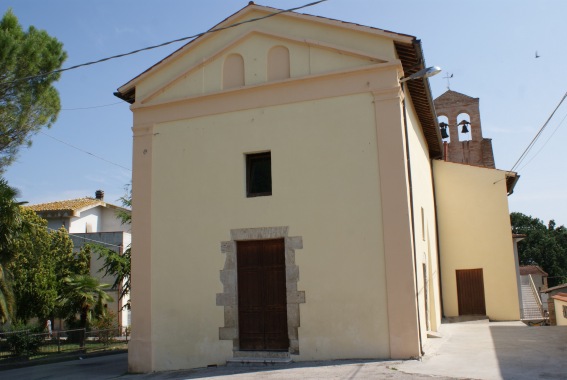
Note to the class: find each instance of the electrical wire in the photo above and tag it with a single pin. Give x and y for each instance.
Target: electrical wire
(162, 44)
(545, 143)
(88, 108)
(530, 146)
(84, 151)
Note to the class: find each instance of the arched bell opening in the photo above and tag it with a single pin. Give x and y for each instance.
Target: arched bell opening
(464, 127)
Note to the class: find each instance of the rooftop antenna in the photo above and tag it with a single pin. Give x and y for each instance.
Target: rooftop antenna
(448, 77)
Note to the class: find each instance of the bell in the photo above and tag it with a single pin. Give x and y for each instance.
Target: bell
(443, 126)
(464, 123)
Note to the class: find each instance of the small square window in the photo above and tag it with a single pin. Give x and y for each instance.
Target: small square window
(258, 174)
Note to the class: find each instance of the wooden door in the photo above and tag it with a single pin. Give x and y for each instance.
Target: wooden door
(262, 305)
(470, 292)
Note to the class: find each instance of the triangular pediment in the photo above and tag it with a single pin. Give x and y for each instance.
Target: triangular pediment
(307, 58)
(320, 44)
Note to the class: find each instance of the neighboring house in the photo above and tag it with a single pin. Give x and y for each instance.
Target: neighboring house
(91, 221)
(538, 275)
(560, 303)
(562, 288)
(533, 282)
(284, 205)
(548, 295)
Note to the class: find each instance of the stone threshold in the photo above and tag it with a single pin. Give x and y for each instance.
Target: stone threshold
(251, 358)
(464, 318)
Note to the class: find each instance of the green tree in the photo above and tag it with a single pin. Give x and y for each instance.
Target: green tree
(41, 261)
(11, 225)
(85, 295)
(68, 264)
(33, 270)
(26, 104)
(544, 245)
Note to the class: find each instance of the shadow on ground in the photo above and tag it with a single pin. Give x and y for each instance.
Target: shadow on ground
(538, 352)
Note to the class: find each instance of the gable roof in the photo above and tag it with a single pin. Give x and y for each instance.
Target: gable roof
(407, 47)
(548, 290)
(531, 269)
(560, 297)
(453, 97)
(70, 207)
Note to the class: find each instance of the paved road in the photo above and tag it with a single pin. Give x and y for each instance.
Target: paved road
(473, 350)
(94, 368)
(114, 367)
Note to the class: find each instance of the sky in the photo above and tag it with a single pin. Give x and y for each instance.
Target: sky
(488, 46)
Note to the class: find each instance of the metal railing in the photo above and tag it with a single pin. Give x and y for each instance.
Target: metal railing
(536, 295)
(25, 344)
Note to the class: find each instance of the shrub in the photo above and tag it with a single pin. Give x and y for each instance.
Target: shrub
(26, 341)
(106, 327)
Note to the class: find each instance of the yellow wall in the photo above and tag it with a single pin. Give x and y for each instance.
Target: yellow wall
(559, 305)
(474, 232)
(425, 233)
(325, 188)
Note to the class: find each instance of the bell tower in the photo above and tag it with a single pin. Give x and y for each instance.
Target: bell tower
(459, 120)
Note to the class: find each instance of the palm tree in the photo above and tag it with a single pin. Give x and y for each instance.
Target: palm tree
(10, 226)
(86, 296)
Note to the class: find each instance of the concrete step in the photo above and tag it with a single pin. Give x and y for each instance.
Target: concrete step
(465, 318)
(251, 362)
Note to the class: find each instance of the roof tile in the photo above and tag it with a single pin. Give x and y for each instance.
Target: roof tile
(531, 269)
(71, 204)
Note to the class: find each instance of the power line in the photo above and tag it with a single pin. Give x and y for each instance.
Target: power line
(545, 143)
(530, 146)
(163, 44)
(84, 151)
(88, 108)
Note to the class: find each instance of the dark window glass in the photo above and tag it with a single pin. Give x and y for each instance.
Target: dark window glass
(258, 174)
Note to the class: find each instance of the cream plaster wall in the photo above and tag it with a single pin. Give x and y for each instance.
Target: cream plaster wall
(335, 132)
(559, 305)
(425, 233)
(396, 334)
(323, 166)
(474, 229)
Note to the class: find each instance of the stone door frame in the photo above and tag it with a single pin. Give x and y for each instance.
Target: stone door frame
(228, 276)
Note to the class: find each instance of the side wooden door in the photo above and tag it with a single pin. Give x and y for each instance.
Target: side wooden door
(262, 305)
(470, 292)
